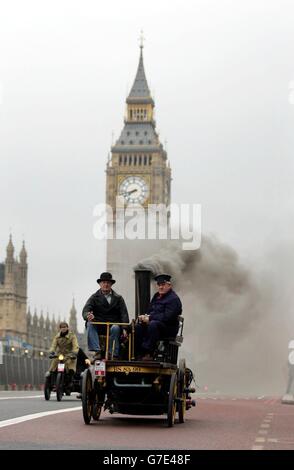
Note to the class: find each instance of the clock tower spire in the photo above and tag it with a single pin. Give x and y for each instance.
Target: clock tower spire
(138, 171)
(138, 159)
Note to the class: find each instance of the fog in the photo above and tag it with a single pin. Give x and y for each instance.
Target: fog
(222, 76)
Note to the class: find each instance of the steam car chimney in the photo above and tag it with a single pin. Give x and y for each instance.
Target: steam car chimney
(142, 290)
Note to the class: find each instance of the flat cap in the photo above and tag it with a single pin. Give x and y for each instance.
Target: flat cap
(161, 278)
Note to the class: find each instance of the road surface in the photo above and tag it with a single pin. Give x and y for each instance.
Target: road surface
(27, 421)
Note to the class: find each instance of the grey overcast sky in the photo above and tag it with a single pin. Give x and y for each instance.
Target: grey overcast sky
(222, 75)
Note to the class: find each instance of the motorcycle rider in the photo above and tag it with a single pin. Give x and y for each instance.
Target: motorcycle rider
(65, 343)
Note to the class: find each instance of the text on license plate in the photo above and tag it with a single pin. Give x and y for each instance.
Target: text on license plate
(60, 367)
(127, 369)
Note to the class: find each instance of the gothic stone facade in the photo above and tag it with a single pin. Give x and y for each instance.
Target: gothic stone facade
(13, 293)
(17, 325)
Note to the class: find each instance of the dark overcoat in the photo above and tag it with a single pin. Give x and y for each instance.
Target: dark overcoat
(115, 312)
(166, 309)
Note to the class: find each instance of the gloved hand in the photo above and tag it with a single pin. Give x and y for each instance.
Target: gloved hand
(72, 356)
(51, 355)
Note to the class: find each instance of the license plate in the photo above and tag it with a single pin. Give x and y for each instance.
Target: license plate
(100, 368)
(126, 369)
(60, 367)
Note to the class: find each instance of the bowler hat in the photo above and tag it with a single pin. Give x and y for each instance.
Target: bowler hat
(161, 278)
(106, 277)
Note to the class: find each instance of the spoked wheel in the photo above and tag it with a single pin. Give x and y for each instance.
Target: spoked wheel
(181, 390)
(172, 404)
(87, 396)
(47, 388)
(59, 385)
(97, 408)
(98, 403)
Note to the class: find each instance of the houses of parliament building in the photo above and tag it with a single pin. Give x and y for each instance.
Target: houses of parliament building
(21, 330)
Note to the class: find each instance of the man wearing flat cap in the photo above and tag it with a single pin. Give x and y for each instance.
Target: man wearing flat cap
(161, 319)
(105, 306)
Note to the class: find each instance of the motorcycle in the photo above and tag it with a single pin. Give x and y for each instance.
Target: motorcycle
(61, 380)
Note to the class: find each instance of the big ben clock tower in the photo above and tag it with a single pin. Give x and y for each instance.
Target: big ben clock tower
(138, 172)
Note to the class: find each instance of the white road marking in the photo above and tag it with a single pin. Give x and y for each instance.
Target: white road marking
(285, 440)
(260, 439)
(261, 397)
(22, 419)
(272, 440)
(263, 430)
(21, 398)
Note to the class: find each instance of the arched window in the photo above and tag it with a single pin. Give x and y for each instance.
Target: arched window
(140, 159)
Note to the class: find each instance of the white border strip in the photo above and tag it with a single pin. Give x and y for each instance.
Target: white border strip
(21, 398)
(22, 419)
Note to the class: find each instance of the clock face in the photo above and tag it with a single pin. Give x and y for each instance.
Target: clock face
(134, 189)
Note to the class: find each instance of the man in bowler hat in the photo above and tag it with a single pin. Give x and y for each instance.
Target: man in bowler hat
(105, 306)
(161, 319)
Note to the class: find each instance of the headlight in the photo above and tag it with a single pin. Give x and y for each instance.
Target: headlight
(61, 357)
